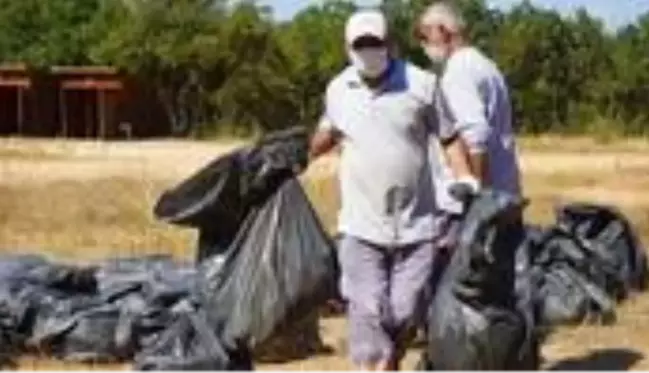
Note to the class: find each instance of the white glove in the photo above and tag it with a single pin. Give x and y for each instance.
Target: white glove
(470, 181)
(464, 188)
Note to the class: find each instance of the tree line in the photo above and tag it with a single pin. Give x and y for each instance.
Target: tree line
(223, 67)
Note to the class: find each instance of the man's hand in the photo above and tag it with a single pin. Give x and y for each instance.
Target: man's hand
(464, 189)
(466, 184)
(322, 141)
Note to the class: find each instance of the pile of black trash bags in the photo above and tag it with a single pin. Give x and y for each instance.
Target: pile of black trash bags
(508, 285)
(264, 262)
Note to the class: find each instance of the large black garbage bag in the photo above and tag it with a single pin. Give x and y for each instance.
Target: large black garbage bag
(46, 299)
(15, 310)
(13, 268)
(64, 278)
(97, 313)
(280, 268)
(189, 343)
(473, 322)
(584, 264)
(528, 279)
(99, 334)
(605, 231)
(51, 315)
(217, 198)
(146, 291)
(574, 284)
(41, 297)
(114, 271)
(147, 276)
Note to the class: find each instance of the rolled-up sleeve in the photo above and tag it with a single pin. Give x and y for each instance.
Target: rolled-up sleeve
(442, 117)
(462, 104)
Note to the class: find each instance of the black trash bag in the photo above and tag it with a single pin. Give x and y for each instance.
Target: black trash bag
(606, 232)
(574, 284)
(14, 268)
(218, 197)
(18, 313)
(160, 310)
(50, 315)
(101, 334)
(146, 290)
(64, 278)
(41, 297)
(279, 269)
(16, 306)
(150, 277)
(152, 322)
(528, 280)
(116, 268)
(57, 311)
(473, 322)
(189, 343)
(138, 282)
(12, 341)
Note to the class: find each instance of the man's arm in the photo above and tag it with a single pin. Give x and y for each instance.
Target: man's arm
(464, 103)
(323, 140)
(458, 159)
(327, 135)
(457, 156)
(442, 122)
(480, 166)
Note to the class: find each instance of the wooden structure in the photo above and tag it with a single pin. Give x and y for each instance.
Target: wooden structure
(78, 101)
(15, 84)
(87, 98)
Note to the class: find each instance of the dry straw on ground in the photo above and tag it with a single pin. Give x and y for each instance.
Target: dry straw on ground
(78, 201)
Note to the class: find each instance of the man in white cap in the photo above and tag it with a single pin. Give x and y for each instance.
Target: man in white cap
(381, 110)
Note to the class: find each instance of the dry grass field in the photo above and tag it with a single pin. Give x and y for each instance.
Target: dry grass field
(77, 201)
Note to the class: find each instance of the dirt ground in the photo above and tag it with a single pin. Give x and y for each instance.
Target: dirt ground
(77, 201)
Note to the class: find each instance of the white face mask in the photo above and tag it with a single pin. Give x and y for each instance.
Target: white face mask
(436, 54)
(370, 62)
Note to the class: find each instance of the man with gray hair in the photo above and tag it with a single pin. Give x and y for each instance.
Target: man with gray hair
(381, 110)
(475, 98)
(477, 101)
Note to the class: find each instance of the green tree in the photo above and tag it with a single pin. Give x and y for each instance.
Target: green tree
(313, 44)
(222, 65)
(253, 91)
(170, 44)
(46, 33)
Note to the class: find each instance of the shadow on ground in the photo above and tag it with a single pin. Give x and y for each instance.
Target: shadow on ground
(606, 359)
(295, 354)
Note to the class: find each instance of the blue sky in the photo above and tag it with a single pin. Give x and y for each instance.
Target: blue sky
(614, 12)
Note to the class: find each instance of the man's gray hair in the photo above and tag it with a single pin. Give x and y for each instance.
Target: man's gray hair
(444, 14)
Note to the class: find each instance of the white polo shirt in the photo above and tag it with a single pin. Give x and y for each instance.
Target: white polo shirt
(387, 195)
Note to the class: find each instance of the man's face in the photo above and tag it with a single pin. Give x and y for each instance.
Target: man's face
(369, 55)
(435, 41)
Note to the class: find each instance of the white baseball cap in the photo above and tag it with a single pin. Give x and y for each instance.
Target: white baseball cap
(366, 23)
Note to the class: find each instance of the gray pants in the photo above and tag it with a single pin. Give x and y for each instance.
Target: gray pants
(383, 288)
